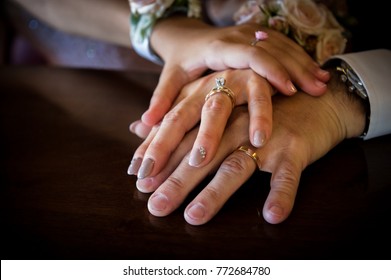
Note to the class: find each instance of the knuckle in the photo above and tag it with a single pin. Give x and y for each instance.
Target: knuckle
(158, 145)
(174, 117)
(212, 195)
(175, 184)
(285, 182)
(216, 104)
(234, 165)
(287, 177)
(253, 52)
(260, 101)
(216, 45)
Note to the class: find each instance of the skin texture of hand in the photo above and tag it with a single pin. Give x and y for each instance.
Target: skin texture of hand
(248, 88)
(305, 128)
(200, 47)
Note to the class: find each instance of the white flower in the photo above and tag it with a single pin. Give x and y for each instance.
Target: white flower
(304, 16)
(155, 7)
(330, 42)
(194, 9)
(310, 24)
(249, 12)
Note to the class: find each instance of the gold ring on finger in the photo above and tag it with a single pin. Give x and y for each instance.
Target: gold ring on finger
(221, 88)
(249, 152)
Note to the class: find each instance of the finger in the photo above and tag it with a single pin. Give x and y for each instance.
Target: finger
(260, 110)
(246, 56)
(173, 191)
(304, 71)
(150, 184)
(268, 62)
(283, 188)
(233, 173)
(172, 79)
(140, 129)
(181, 181)
(176, 123)
(289, 53)
(138, 155)
(215, 113)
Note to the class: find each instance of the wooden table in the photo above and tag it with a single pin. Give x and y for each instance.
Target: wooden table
(65, 148)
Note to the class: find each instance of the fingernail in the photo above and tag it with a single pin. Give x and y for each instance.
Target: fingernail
(323, 73)
(277, 211)
(196, 212)
(197, 156)
(145, 185)
(132, 127)
(291, 87)
(146, 168)
(259, 138)
(134, 166)
(319, 84)
(158, 202)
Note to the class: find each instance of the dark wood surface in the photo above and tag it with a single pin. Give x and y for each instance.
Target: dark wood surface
(65, 148)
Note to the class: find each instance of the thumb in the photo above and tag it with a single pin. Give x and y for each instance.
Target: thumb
(171, 81)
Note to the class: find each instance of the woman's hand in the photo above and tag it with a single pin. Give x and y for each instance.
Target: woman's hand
(245, 87)
(190, 47)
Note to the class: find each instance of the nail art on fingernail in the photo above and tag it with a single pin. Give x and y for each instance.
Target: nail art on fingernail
(197, 156)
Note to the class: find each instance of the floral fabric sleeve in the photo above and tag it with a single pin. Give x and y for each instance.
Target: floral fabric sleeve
(310, 24)
(144, 15)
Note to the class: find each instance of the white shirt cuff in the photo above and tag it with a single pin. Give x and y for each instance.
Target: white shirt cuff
(374, 70)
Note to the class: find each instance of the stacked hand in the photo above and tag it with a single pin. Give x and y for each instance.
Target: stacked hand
(304, 129)
(201, 47)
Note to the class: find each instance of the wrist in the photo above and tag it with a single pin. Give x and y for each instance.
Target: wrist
(351, 109)
(144, 16)
(174, 32)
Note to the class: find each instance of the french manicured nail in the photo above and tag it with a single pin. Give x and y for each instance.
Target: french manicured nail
(158, 202)
(146, 168)
(320, 84)
(134, 166)
(197, 156)
(323, 73)
(259, 138)
(196, 212)
(291, 87)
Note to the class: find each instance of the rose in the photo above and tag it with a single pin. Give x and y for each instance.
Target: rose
(304, 16)
(329, 43)
(278, 23)
(249, 12)
(194, 9)
(308, 19)
(310, 24)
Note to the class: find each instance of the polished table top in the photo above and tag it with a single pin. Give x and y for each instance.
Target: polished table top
(65, 148)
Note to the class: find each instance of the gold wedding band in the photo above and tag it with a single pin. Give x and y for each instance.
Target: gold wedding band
(220, 88)
(250, 153)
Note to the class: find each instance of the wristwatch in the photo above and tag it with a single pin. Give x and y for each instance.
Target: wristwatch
(372, 68)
